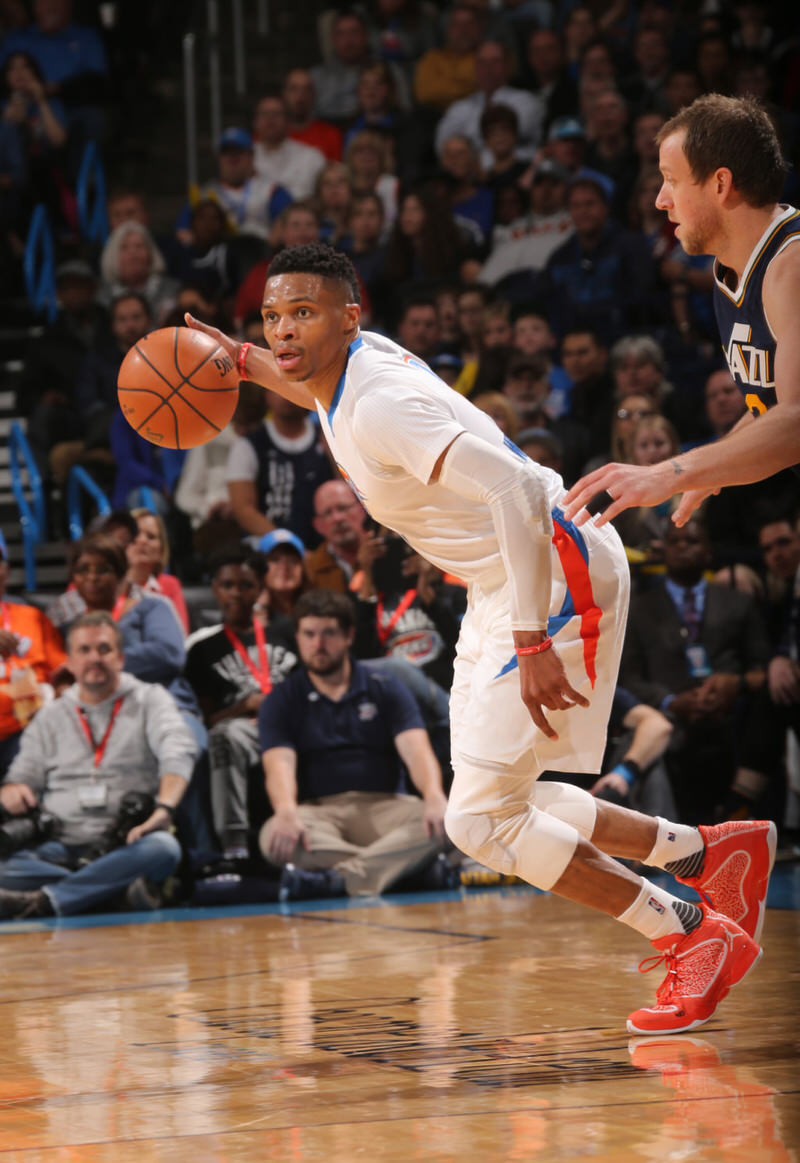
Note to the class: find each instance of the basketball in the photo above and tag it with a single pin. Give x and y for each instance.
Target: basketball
(177, 387)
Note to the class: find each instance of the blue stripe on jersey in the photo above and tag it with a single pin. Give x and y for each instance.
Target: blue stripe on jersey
(557, 621)
(337, 395)
(517, 451)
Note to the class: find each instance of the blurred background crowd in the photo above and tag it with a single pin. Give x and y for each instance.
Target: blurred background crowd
(491, 170)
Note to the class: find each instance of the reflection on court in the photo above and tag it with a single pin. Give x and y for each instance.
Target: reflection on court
(489, 1026)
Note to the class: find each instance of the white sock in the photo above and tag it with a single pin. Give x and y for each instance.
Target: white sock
(674, 843)
(656, 913)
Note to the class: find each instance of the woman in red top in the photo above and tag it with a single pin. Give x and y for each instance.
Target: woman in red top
(148, 557)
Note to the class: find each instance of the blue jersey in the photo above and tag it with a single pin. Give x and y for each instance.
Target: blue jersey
(747, 340)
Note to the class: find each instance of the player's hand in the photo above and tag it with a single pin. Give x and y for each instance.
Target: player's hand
(287, 832)
(628, 485)
(544, 683)
(230, 346)
(692, 499)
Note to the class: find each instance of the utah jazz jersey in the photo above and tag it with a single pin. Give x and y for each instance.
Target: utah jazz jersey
(747, 340)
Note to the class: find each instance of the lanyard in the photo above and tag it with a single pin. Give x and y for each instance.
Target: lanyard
(119, 606)
(260, 672)
(99, 748)
(385, 631)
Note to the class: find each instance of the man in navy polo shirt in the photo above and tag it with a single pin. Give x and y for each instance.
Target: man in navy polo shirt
(332, 737)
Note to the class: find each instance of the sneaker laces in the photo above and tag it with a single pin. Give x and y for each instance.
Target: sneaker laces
(669, 984)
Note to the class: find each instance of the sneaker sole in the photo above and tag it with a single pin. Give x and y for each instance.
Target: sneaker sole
(749, 963)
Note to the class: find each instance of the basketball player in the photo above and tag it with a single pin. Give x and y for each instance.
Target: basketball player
(722, 176)
(429, 465)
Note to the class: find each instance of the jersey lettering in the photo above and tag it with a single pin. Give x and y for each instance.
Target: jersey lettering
(748, 364)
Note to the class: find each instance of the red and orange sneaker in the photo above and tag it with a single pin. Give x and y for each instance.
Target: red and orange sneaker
(737, 863)
(702, 966)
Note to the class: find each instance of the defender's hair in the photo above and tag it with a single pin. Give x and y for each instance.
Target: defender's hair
(733, 133)
(317, 258)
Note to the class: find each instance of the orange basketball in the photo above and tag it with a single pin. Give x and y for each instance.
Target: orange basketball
(177, 387)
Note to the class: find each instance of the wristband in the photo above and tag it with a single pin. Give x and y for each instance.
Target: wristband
(168, 808)
(629, 770)
(241, 360)
(539, 648)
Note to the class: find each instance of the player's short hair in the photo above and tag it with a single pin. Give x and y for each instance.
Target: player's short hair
(325, 604)
(733, 133)
(317, 258)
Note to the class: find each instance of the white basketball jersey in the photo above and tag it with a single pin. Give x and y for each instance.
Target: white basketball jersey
(390, 419)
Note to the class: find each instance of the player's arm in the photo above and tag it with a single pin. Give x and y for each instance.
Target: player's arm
(749, 452)
(516, 496)
(260, 365)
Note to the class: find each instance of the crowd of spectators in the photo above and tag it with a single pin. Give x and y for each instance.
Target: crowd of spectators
(491, 170)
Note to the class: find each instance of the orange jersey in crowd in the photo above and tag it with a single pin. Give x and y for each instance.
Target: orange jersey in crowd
(41, 653)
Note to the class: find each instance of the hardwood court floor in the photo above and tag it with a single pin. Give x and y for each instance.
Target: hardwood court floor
(484, 1026)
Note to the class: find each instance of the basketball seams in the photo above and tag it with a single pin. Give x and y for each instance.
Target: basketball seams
(176, 389)
(195, 410)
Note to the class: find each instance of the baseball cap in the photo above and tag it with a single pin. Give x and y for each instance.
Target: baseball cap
(234, 138)
(75, 268)
(566, 128)
(446, 359)
(547, 168)
(278, 537)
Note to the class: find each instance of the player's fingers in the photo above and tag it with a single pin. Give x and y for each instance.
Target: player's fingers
(683, 512)
(577, 698)
(611, 511)
(537, 714)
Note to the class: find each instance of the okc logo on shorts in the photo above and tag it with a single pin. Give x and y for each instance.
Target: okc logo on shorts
(657, 905)
(367, 712)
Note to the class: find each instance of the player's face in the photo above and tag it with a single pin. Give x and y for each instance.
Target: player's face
(308, 324)
(688, 203)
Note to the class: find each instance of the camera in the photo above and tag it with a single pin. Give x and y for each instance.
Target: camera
(134, 808)
(25, 831)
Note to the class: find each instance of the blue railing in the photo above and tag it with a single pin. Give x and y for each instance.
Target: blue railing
(77, 481)
(32, 512)
(90, 194)
(39, 265)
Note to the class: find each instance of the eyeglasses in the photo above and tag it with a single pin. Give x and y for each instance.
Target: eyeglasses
(633, 413)
(335, 511)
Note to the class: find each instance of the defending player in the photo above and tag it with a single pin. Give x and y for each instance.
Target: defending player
(723, 174)
(428, 464)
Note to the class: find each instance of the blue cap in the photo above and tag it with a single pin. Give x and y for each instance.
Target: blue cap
(234, 138)
(278, 537)
(3, 547)
(566, 128)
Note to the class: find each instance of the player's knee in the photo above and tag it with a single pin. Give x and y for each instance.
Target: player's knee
(566, 802)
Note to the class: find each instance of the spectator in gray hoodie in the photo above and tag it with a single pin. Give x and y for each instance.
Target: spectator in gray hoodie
(81, 758)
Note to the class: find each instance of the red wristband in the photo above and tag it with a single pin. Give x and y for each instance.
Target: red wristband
(241, 360)
(539, 648)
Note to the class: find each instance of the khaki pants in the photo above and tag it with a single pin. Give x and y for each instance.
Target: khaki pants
(371, 838)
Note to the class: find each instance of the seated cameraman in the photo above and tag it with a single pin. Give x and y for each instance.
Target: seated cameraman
(90, 797)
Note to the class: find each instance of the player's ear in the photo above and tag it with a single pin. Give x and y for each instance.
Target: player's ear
(352, 315)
